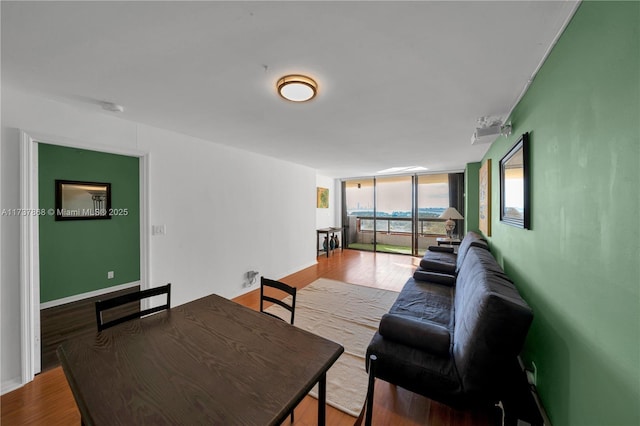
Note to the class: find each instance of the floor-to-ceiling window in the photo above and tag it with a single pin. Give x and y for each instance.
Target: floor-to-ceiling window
(399, 214)
(358, 213)
(394, 225)
(432, 201)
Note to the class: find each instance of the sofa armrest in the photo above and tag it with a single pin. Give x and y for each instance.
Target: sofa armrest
(415, 333)
(441, 249)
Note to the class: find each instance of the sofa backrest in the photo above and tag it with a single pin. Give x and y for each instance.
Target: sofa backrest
(471, 239)
(491, 321)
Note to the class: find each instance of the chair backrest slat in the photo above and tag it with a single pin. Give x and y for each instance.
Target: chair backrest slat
(104, 305)
(266, 282)
(278, 302)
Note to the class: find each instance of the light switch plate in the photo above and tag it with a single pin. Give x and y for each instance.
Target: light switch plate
(158, 230)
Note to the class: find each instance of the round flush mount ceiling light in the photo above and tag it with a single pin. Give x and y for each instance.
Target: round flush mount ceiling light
(297, 88)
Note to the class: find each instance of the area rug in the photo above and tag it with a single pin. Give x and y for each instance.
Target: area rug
(349, 315)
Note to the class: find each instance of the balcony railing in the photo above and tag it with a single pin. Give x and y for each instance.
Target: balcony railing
(393, 234)
(401, 225)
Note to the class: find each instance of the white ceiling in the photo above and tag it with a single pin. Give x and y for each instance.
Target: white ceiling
(401, 83)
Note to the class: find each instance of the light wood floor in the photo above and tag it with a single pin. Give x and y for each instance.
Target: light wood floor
(48, 400)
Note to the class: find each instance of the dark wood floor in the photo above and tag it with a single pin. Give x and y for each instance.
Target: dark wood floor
(71, 321)
(48, 400)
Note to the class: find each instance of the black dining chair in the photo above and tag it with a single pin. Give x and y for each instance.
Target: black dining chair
(137, 296)
(283, 289)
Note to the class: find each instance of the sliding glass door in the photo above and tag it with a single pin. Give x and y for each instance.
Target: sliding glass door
(358, 214)
(399, 214)
(394, 225)
(432, 201)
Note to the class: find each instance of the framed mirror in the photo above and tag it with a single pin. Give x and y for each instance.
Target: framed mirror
(514, 185)
(82, 200)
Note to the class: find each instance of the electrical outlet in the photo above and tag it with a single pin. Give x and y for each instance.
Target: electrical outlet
(110, 275)
(249, 278)
(532, 374)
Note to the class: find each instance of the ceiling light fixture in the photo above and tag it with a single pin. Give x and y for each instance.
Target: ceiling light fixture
(297, 88)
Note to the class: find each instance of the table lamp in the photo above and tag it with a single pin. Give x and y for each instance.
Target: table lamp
(450, 214)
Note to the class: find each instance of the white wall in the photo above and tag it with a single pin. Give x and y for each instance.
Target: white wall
(226, 211)
(331, 216)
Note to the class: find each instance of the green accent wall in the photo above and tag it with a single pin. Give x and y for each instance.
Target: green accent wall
(578, 265)
(76, 255)
(472, 197)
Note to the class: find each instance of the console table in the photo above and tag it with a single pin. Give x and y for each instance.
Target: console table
(329, 232)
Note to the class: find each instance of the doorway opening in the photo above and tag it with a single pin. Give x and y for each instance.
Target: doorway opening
(31, 361)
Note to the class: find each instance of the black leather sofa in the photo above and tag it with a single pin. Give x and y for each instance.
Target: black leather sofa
(454, 344)
(441, 264)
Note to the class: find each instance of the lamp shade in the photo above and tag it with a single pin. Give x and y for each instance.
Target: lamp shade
(451, 213)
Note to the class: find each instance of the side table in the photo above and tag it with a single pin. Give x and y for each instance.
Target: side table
(329, 232)
(448, 241)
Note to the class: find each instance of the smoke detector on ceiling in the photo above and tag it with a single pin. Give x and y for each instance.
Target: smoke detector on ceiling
(110, 106)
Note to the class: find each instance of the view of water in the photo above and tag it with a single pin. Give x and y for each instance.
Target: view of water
(425, 212)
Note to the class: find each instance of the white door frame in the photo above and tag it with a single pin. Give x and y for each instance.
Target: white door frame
(30, 239)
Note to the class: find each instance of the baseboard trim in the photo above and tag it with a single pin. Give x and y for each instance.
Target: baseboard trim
(533, 390)
(10, 385)
(87, 295)
(256, 285)
(300, 268)
(543, 412)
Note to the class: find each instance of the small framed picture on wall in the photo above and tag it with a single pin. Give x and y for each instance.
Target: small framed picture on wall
(323, 198)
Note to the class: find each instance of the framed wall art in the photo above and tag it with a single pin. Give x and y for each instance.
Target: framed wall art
(484, 209)
(323, 198)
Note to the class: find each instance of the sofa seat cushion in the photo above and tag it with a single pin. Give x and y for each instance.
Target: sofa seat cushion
(426, 302)
(425, 335)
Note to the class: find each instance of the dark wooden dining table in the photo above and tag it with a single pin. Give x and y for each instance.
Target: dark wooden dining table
(210, 361)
